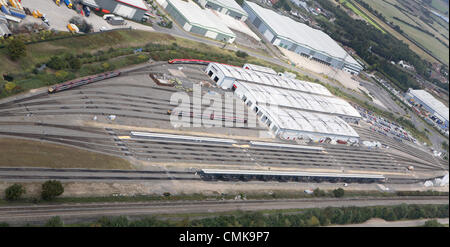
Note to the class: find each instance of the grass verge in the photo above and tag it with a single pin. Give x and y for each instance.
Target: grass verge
(27, 153)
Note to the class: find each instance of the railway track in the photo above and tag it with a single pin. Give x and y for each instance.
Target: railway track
(165, 150)
(144, 102)
(13, 173)
(415, 152)
(72, 213)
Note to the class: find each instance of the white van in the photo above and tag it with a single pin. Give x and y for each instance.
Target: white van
(108, 16)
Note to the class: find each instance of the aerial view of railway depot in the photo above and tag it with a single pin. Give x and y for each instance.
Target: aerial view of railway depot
(140, 112)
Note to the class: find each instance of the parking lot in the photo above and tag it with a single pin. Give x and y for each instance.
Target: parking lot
(59, 16)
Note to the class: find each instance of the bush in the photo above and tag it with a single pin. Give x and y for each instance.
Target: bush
(338, 192)
(14, 192)
(16, 49)
(51, 189)
(432, 223)
(54, 222)
(10, 86)
(241, 54)
(57, 63)
(74, 62)
(319, 193)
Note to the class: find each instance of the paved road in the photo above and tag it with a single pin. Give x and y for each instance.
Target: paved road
(70, 213)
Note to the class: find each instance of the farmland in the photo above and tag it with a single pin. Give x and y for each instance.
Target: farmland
(406, 21)
(359, 13)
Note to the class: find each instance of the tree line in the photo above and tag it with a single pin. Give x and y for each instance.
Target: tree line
(376, 48)
(303, 218)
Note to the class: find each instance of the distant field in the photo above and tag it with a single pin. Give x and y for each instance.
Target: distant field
(358, 12)
(430, 43)
(440, 6)
(27, 153)
(397, 35)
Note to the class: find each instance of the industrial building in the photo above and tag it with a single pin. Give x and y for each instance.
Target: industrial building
(228, 7)
(255, 67)
(291, 109)
(194, 19)
(131, 9)
(287, 33)
(429, 103)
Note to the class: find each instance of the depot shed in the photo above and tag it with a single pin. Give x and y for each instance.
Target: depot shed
(200, 21)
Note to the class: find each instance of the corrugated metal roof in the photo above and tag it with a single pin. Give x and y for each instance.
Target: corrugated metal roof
(431, 102)
(230, 4)
(201, 17)
(302, 34)
(272, 80)
(260, 68)
(315, 123)
(300, 100)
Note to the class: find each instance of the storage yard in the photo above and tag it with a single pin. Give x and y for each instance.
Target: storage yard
(56, 17)
(129, 116)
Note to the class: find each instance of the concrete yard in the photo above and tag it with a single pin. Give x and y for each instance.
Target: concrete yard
(59, 17)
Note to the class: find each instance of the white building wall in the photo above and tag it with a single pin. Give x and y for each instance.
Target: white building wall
(222, 81)
(187, 26)
(210, 34)
(269, 35)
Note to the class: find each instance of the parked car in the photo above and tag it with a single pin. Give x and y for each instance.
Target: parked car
(87, 11)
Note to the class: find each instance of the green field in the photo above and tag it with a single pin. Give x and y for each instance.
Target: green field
(27, 153)
(427, 41)
(359, 13)
(440, 6)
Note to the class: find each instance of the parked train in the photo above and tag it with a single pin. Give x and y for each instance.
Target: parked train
(285, 176)
(189, 61)
(194, 61)
(83, 81)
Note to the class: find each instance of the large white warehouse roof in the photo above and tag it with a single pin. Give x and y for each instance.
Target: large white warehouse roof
(431, 102)
(273, 80)
(300, 100)
(302, 34)
(260, 68)
(197, 16)
(231, 5)
(315, 123)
